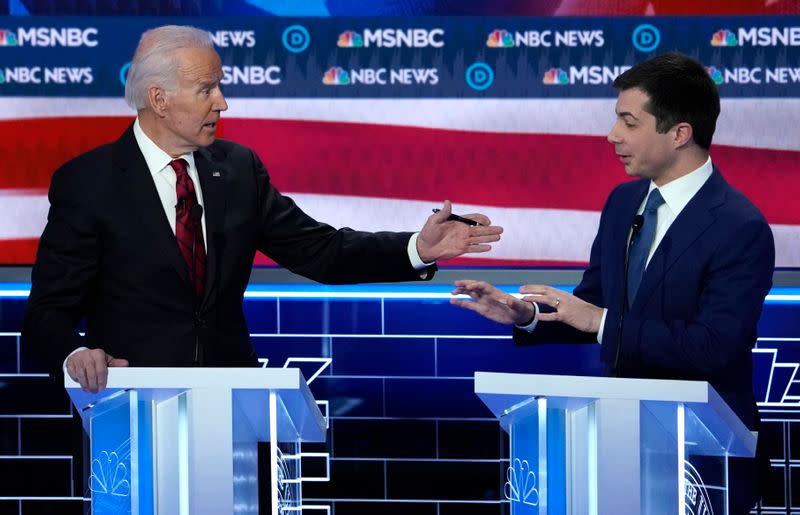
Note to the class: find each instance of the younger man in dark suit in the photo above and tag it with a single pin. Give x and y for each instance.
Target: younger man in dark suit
(681, 262)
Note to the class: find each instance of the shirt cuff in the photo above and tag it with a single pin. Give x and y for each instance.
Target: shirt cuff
(530, 327)
(64, 365)
(413, 255)
(602, 326)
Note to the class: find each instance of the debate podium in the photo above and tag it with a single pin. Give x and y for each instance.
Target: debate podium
(594, 445)
(182, 441)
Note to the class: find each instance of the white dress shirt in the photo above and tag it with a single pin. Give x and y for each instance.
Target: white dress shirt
(676, 195)
(165, 178)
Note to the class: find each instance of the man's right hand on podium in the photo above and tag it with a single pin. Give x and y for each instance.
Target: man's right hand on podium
(89, 367)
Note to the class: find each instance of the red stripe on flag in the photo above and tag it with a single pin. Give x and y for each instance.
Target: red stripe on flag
(505, 170)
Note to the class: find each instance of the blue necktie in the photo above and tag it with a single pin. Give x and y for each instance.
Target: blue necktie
(640, 246)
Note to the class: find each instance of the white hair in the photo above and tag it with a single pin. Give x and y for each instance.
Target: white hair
(154, 62)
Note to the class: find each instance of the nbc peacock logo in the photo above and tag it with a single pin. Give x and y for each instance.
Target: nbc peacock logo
(336, 76)
(7, 38)
(724, 37)
(500, 38)
(350, 39)
(555, 77)
(715, 74)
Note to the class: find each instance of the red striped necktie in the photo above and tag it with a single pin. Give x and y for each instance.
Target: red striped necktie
(188, 228)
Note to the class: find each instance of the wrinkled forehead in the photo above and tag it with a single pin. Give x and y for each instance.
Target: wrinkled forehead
(198, 65)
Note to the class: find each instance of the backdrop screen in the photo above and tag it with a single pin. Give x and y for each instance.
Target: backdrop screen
(371, 115)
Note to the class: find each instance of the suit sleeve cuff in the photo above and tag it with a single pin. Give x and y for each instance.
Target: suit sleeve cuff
(413, 256)
(602, 326)
(532, 325)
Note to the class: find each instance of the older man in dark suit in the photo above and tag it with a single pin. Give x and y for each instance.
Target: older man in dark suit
(152, 238)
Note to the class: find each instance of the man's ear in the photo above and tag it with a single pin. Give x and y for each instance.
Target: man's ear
(684, 134)
(157, 99)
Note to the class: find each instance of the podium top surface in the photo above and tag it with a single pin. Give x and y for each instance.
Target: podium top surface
(248, 387)
(199, 377)
(551, 386)
(504, 393)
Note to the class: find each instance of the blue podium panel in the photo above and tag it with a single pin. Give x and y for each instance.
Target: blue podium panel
(184, 441)
(110, 479)
(612, 445)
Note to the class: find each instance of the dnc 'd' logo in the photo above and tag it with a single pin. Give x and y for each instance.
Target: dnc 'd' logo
(724, 37)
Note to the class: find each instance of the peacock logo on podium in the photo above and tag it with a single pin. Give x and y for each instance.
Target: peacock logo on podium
(284, 478)
(109, 475)
(521, 484)
(696, 499)
(110, 483)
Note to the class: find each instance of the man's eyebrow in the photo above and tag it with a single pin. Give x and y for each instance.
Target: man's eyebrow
(623, 114)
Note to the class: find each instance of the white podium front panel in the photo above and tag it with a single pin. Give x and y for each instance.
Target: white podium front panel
(184, 441)
(589, 445)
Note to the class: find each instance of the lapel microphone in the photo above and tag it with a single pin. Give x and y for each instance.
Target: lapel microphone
(636, 226)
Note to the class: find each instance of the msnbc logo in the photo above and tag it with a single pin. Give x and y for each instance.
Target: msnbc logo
(7, 38)
(715, 74)
(500, 38)
(350, 39)
(336, 76)
(555, 76)
(724, 37)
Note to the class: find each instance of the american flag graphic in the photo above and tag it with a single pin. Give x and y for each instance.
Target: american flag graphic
(541, 168)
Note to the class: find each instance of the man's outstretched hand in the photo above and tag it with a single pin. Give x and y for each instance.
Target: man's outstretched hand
(441, 238)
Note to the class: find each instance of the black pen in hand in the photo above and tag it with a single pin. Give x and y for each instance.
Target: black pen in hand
(457, 218)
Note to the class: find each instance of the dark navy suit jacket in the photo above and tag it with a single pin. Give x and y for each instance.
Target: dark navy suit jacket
(695, 314)
(108, 254)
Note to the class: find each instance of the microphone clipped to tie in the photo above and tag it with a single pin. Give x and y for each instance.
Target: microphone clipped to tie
(636, 226)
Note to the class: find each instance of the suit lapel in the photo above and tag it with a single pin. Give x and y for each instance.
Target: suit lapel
(137, 184)
(690, 224)
(212, 181)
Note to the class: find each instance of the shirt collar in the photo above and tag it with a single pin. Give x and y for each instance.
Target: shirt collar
(155, 158)
(679, 192)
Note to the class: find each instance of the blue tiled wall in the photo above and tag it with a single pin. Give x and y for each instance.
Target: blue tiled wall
(405, 425)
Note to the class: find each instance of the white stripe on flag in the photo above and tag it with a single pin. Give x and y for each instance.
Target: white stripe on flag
(529, 233)
(767, 123)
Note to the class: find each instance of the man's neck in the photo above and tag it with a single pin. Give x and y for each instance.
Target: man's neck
(687, 162)
(152, 129)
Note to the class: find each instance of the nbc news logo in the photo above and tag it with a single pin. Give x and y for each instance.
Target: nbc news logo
(724, 37)
(8, 38)
(715, 74)
(555, 77)
(336, 76)
(350, 39)
(500, 38)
